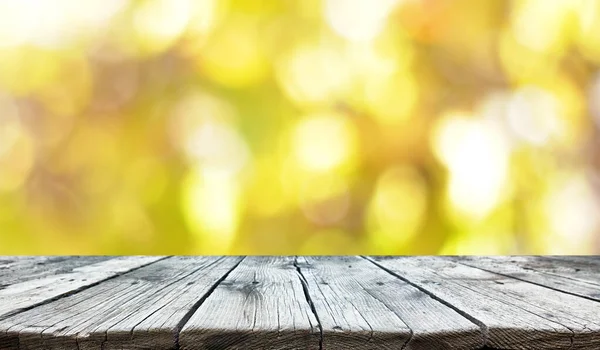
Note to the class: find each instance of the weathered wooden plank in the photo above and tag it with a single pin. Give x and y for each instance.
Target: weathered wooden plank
(179, 305)
(579, 268)
(143, 309)
(518, 315)
(574, 277)
(17, 269)
(279, 303)
(361, 306)
(585, 259)
(260, 305)
(26, 294)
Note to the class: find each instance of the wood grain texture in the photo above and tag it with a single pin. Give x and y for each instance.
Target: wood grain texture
(580, 278)
(260, 305)
(32, 291)
(138, 310)
(584, 259)
(18, 269)
(412, 303)
(361, 306)
(517, 314)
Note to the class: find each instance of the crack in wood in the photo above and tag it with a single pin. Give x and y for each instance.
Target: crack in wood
(309, 300)
(197, 305)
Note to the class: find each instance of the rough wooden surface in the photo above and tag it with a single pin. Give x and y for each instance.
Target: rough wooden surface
(366, 308)
(24, 290)
(17, 269)
(517, 314)
(139, 309)
(351, 302)
(260, 305)
(581, 278)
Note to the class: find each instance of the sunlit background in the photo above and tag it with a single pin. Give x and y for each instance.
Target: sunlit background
(299, 127)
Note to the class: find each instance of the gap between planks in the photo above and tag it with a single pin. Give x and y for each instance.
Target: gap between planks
(482, 326)
(547, 311)
(52, 295)
(539, 276)
(298, 267)
(197, 305)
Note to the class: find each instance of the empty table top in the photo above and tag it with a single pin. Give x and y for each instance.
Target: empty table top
(281, 302)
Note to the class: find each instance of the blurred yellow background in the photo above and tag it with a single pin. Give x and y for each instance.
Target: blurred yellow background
(299, 127)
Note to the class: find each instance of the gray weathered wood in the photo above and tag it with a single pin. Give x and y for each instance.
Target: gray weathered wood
(584, 259)
(261, 305)
(517, 314)
(138, 310)
(406, 303)
(17, 269)
(360, 306)
(574, 277)
(28, 293)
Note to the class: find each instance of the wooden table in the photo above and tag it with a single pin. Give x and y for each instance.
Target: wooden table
(418, 303)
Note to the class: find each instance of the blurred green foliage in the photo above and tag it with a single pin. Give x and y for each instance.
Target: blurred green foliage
(299, 127)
